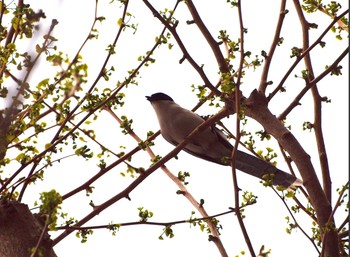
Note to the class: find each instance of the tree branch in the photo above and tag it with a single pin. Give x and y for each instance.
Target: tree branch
(223, 67)
(299, 58)
(172, 29)
(124, 224)
(238, 135)
(257, 109)
(125, 193)
(263, 81)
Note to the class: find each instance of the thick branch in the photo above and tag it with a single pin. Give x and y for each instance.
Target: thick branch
(211, 41)
(257, 109)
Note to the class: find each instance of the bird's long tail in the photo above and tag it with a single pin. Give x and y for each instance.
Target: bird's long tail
(265, 171)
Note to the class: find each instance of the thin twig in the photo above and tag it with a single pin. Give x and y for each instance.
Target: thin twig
(238, 134)
(299, 58)
(43, 231)
(186, 54)
(295, 221)
(124, 224)
(275, 41)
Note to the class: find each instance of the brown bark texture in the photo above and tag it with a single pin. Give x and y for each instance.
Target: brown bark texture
(20, 232)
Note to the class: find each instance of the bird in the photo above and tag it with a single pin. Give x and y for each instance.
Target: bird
(211, 144)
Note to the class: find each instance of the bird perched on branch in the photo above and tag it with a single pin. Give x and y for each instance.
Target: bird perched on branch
(211, 144)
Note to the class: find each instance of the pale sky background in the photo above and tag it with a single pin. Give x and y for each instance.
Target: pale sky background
(265, 220)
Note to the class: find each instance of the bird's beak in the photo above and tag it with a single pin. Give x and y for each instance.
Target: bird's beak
(148, 97)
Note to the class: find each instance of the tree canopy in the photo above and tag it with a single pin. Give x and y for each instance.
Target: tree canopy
(80, 151)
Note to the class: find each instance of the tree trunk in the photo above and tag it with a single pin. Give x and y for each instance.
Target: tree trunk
(20, 232)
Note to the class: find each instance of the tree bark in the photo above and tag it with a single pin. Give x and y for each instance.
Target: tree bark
(20, 232)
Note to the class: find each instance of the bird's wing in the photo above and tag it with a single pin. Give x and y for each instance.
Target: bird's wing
(221, 138)
(210, 144)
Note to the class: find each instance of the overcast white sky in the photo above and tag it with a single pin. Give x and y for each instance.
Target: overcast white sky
(265, 220)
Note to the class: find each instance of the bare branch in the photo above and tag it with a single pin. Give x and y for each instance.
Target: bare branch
(223, 67)
(172, 29)
(275, 41)
(306, 51)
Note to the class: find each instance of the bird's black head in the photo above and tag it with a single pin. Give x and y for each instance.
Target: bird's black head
(158, 97)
